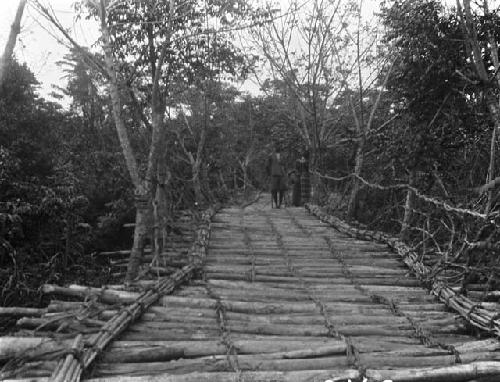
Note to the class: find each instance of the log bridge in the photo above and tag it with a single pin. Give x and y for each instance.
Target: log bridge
(268, 295)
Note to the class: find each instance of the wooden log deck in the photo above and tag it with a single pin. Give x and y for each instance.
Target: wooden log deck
(282, 296)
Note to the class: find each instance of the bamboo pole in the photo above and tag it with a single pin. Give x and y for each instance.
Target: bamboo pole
(125, 316)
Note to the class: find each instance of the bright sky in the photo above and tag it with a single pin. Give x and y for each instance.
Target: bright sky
(36, 46)
(41, 51)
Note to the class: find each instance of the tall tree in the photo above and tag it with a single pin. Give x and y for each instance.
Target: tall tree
(481, 41)
(148, 47)
(376, 69)
(427, 93)
(15, 29)
(310, 50)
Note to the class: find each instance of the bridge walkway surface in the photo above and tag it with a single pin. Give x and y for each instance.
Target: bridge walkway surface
(289, 298)
(282, 296)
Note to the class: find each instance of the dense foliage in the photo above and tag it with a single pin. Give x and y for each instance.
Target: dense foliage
(433, 132)
(408, 108)
(48, 199)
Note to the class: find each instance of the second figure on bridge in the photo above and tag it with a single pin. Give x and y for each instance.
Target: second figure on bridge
(276, 171)
(304, 187)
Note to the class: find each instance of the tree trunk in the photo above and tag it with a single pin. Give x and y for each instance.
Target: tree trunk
(67, 239)
(410, 196)
(244, 171)
(314, 179)
(142, 218)
(245, 177)
(15, 29)
(142, 191)
(198, 194)
(116, 105)
(157, 217)
(362, 130)
(199, 153)
(161, 199)
(205, 183)
(352, 209)
(196, 178)
(493, 107)
(154, 178)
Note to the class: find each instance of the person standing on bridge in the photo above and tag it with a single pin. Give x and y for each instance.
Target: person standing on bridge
(294, 181)
(305, 180)
(276, 171)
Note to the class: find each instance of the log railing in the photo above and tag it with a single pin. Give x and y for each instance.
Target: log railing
(448, 230)
(81, 353)
(477, 315)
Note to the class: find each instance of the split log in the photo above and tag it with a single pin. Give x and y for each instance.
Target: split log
(279, 329)
(44, 333)
(239, 306)
(137, 284)
(330, 285)
(341, 295)
(121, 253)
(106, 295)
(282, 269)
(31, 370)
(159, 353)
(263, 363)
(150, 354)
(144, 351)
(258, 346)
(58, 306)
(279, 307)
(21, 312)
(171, 335)
(288, 280)
(192, 317)
(11, 347)
(456, 373)
(220, 363)
(391, 359)
(313, 326)
(54, 323)
(491, 344)
(319, 351)
(175, 325)
(294, 376)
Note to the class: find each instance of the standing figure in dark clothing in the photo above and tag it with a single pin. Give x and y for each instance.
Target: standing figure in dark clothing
(305, 180)
(294, 180)
(276, 171)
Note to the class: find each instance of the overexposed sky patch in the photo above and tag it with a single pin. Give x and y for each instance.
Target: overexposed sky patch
(36, 44)
(40, 50)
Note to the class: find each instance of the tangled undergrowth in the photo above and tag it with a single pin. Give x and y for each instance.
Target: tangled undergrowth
(20, 284)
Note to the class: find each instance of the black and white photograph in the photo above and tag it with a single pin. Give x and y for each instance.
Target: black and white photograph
(250, 190)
